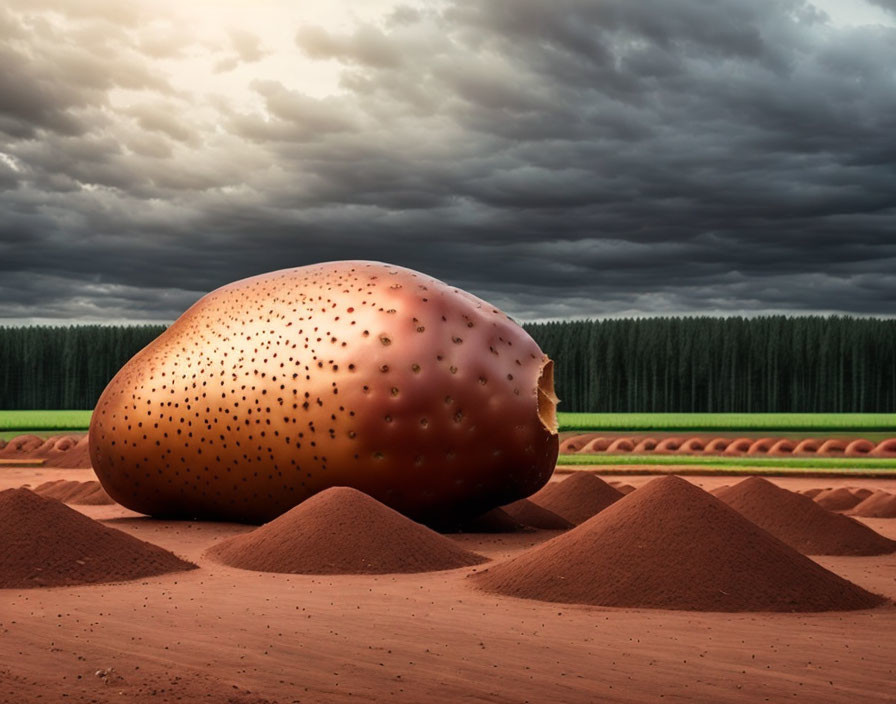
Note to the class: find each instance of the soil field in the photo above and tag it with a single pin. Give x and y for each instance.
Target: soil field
(709, 434)
(221, 634)
(776, 446)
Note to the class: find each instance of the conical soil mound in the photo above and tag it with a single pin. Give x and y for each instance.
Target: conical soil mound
(74, 492)
(343, 531)
(801, 523)
(879, 505)
(47, 544)
(531, 514)
(841, 499)
(578, 497)
(671, 545)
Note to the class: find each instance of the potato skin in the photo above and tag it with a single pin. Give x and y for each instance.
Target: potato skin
(352, 373)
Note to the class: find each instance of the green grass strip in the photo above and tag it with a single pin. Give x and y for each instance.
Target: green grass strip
(635, 470)
(44, 420)
(880, 422)
(863, 463)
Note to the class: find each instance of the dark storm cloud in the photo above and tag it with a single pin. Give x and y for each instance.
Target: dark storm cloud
(162, 117)
(561, 159)
(886, 4)
(368, 46)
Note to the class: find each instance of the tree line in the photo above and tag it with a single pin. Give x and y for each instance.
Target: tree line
(770, 364)
(836, 364)
(65, 367)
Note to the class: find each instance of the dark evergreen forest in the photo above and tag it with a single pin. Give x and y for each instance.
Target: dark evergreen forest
(764, 364)
(772, 364)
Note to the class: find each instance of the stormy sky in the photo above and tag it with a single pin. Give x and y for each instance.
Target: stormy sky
(571, 158)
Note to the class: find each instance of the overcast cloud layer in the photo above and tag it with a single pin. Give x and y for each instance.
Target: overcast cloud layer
(562, 159)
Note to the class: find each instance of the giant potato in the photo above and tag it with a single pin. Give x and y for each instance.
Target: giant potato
(353, 373)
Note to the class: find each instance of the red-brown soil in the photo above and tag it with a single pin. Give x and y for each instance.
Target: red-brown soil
(576, 442)
(738, 446)
(20, 445)
(67, 442)
(46, 447)
(768, 446)
(598, 444)
(859, 447)
(880, 504)
(717, 445)
(832, 446)
(89, 493)
(47, 544)
(839, 499)
(885, 448)
(51, 446)
(343, 531)
(861, 492)
(671, 545)
(63, 451)
(812, 493)
(77, 457)
(622, 487)
(761, 446)
(692, 445)
(219, 634)
(645, 445)
(809, 445)
(621, 445)
(577, 498)
(531, 514)
(668, 445)
(782, 447)
(800, 522)
(495, 521)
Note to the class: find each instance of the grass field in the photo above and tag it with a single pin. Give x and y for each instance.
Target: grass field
(18, 422)
(694, 422)
(813, 422)
(816, 463)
